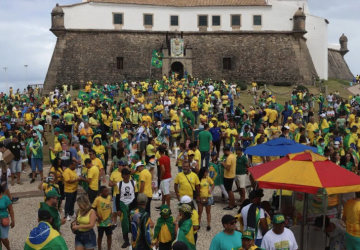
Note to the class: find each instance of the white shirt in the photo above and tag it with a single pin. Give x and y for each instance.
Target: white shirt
(127, 192)
(167, 104)
(330, 98)
(286, 240)
(244, 214)
(211, 88)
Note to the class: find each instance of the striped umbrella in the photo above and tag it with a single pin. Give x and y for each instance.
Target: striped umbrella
(306, 172)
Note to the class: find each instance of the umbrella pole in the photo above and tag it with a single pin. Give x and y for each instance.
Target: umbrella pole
(304, 222)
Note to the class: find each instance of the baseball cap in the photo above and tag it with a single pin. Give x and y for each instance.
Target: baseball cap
(139, 164)
(179, 245)
(278, 219)
(289, 118)
(239, 149)
(57, 130)
(190, 152)
(142, 199)
(121, 163)
(185, 199)
(256, 193)
(226, 148)
(44, 214)
(248, 234)
(185, 208)
(159, 123)
(322, 115)
(213, 153)
(52, 193)
(164, 209)
(227, 218)
(135, 156)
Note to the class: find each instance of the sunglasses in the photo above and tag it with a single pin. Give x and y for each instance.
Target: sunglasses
(232, 223)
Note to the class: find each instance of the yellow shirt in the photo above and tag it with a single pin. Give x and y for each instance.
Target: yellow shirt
(100, 150)
(175, 128)
(70, 175)
(107, 119)
(149, 150)
(29, 117)
(273, 115)
(148, 106)
(103, 208)
(93, 174)
(58, 173)
(223, 124)
(195, 219)
(184, 186)
(230, 132)
(145, 176)
(164, 234)
(204, 118)
(116, 125)
(206, 107)
(115, 178)
(194, 106)
(97, 162)
(197, 156)
(147, 118)
(310, 129)
(83, 157)
(230, 160)
(351, 212)
(205, 185)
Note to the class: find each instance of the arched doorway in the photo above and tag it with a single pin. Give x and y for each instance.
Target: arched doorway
(178, 67)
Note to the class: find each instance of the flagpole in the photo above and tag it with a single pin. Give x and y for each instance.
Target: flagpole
(150, 67)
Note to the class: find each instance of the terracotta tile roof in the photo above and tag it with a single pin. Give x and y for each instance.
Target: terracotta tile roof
(185, 3)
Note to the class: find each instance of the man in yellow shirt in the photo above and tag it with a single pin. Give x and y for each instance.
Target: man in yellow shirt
(186, 183)
(254, 87)
(29, 117)
(145, 180)
(229, 175)
(71, 182)
(231, 135)
(273, 116)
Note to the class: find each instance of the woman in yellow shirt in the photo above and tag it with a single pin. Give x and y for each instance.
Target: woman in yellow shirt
(100, 150)
(206, 200)
(113, 139)
(107, 119)
(87, 132)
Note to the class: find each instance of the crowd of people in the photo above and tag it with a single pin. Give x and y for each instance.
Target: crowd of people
(119, 151)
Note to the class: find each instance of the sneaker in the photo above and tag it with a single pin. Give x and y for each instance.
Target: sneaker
(19, 183)
(32, 181)
(24, 172)
(73, 216)
(228, 208)
(113, 227)
(208, 228)
(125, 245)
(14, 199)
(68, 218)
(157, 208)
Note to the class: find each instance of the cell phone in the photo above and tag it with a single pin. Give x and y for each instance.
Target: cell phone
(49, 178)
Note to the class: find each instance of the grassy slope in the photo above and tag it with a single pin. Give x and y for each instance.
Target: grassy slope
(246, 100)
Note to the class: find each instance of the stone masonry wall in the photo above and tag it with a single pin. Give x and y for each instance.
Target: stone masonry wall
(81, 56)
(338, 68)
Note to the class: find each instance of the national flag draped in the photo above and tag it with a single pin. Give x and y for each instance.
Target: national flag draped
(156, 60)
(94, 94)
(26, 98)
(45, 237)
(186, 234)
(83, 96)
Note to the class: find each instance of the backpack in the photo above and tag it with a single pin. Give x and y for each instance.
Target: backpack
(137, 219)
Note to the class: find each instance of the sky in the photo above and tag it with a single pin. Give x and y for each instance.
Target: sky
(25, 38)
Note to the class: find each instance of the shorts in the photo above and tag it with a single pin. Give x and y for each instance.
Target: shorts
(86, 239)
(4, 232)
(68, 128)
(241, 180)
(36, 162)
(92, 194)
(114, 205)
(48, 120)
(210, 202)
(15, 166)
(106, 230)
(228, 183)
(165, 186)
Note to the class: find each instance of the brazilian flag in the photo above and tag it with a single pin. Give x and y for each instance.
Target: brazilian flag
(45, 237)
(186, 234)
(25, 98)
(156, 59)
(104, 98)
(94, 94)
(83, 96)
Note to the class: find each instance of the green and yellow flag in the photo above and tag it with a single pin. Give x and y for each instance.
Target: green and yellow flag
(156, 60)
(45, 237)
(83, 96)
(186, 234)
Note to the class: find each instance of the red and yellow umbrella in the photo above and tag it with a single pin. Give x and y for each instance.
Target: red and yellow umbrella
(305, 172)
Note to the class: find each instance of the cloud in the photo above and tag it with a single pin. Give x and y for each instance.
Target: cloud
(25, 37)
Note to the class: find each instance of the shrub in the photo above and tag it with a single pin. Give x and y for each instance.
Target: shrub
(241, 84)
(261, 83)
(283, 84)
(76, 86)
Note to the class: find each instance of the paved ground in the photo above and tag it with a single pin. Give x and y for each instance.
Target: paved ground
(355, 89)
(26, 215)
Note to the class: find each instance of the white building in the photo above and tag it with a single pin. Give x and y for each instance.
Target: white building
(199, 15)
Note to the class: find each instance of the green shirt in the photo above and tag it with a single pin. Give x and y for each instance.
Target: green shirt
(205, 138)
(241, 165)
(54, 214)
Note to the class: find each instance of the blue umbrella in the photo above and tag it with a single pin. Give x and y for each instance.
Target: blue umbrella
(278, 147)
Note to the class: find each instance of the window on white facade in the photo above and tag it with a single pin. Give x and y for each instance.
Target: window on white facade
(235, 20)
(203, 21)
(257, 20)
(174, 20)
(118, 18)
(148, 19)
(215, 20)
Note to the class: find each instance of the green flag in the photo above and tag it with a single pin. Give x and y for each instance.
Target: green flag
(184, 234)
(83, 96)
(94, 94)
(156, 59)
(102, 98)
(26, 98)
